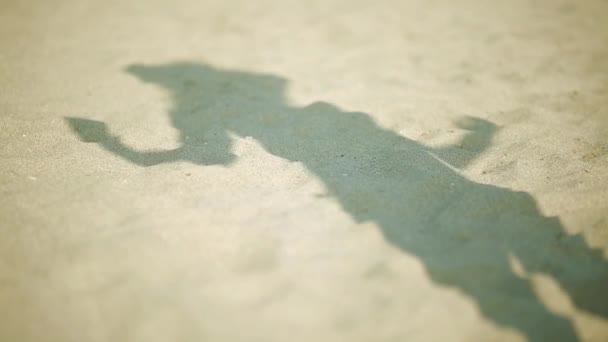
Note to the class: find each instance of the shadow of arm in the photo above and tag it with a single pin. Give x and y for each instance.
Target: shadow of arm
(141, 158)
(471, 146)
(96, 132)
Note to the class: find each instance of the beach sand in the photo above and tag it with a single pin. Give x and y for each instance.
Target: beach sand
(319, 170)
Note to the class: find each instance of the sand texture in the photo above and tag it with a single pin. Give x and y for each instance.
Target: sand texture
(321, 170)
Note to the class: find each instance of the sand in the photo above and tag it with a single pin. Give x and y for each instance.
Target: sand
(304, 170)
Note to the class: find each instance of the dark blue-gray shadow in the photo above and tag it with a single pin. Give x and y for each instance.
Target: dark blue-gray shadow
(463, 232)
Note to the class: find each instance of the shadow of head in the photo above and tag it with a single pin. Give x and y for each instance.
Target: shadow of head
(183, 79)
(209, 103)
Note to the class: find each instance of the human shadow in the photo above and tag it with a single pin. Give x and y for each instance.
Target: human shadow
(465, 233)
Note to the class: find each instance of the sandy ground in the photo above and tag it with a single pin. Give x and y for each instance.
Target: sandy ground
(303, 170)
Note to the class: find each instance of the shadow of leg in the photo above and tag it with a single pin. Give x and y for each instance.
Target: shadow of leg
(580, 270)
(509, 301)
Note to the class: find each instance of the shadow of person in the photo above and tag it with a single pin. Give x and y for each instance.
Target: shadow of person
(466, 234)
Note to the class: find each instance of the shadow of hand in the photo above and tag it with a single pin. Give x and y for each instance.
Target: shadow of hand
(88, 130)
(471, 123)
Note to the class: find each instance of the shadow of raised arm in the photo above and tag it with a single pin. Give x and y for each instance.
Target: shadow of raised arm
(472, 145)
(96, 132)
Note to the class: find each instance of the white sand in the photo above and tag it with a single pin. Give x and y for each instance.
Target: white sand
(317, 197)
